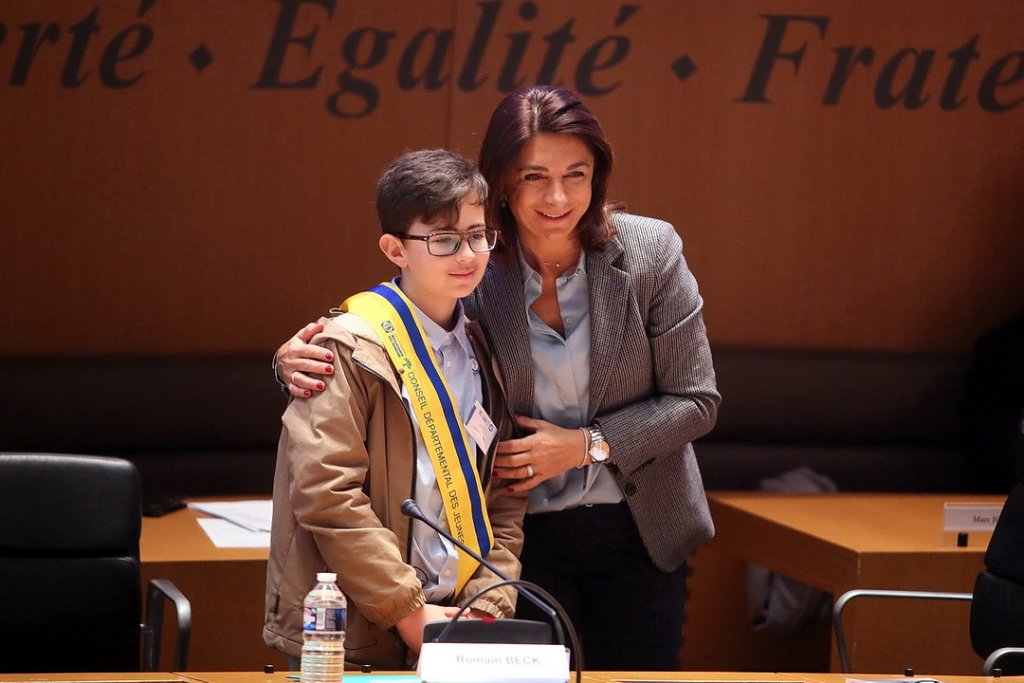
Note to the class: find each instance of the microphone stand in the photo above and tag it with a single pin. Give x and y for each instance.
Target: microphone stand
(412, 510)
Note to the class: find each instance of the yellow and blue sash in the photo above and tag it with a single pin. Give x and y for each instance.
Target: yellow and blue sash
(451, 453)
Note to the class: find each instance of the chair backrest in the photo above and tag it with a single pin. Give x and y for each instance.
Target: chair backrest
(70, 579)
(997, 618)
(997, 611)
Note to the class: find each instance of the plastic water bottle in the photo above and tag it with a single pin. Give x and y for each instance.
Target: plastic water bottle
(323, 632)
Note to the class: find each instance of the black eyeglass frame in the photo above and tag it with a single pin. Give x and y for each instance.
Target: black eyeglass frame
(490, 233)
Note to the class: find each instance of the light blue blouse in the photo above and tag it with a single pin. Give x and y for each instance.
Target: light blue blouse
(561, 387)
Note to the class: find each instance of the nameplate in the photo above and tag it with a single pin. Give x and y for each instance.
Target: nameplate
(971, 516)
(493, 663)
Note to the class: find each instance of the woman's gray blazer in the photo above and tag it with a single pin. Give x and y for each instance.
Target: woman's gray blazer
(652, 384)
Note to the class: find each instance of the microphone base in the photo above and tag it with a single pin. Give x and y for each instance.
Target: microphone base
(488, 631)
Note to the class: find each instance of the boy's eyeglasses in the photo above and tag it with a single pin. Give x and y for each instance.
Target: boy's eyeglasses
(448, 243)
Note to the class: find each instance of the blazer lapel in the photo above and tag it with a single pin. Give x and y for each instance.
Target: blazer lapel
(609, 298)
(504, 316)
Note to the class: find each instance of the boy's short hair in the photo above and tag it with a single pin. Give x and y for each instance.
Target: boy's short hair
(426, 185)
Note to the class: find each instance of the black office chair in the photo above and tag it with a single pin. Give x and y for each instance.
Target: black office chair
(997, 611)
(70, 577)
(997, 602)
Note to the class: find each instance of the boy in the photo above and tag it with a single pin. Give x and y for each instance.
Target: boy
(350, 456)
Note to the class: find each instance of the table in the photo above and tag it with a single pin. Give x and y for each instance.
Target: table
(833, 541)
(156, 677)
(622, 677)
(588, 677)
(837, 542)
(757, 677)
(225, 585)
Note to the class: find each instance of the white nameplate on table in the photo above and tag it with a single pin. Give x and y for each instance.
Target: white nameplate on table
(970, 516)
(493, 663)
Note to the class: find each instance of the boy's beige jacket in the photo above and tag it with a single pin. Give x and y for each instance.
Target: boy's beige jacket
(345, 463)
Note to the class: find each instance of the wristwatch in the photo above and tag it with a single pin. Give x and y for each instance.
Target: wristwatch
(599, 451)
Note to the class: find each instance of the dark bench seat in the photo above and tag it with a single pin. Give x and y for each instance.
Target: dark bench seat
(209, 425)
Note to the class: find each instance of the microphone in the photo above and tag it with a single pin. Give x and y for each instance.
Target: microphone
(412, 510)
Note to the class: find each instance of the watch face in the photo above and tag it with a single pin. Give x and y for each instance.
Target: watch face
(599, 451)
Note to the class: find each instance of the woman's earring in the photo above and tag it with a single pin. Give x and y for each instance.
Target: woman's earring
(504, 201)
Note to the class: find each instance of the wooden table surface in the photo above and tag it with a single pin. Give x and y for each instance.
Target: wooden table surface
(177, 537)
(837, 542)
(588, 677)
(841, 541)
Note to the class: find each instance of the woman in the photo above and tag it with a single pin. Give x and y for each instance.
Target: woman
(596, 323)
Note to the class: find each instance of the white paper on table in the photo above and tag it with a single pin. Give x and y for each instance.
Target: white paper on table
(254, 515)
(224, 534)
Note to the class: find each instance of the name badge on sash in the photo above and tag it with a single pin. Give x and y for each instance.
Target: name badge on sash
(481, 427)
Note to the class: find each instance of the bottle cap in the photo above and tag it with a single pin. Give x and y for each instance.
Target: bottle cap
(326, 577)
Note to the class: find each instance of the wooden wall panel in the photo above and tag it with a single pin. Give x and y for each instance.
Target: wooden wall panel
(205, 211)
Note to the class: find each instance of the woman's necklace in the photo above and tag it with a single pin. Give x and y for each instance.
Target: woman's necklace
(571, 258)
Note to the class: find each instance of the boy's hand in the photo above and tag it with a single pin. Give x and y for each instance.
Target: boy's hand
(411, 627)
(530, 460)
(297, 360)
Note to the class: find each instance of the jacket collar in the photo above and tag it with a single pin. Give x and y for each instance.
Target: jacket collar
(504, 315)
(504, 312)
(609, 300)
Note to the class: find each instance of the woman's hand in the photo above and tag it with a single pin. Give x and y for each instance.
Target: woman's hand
(297, 361)
(530, 460)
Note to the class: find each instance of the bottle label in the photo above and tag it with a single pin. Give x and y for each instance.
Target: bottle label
(323, 618)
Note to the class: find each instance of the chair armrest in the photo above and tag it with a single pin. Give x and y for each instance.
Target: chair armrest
(990, 661)
(837, 611)
(158, 591)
